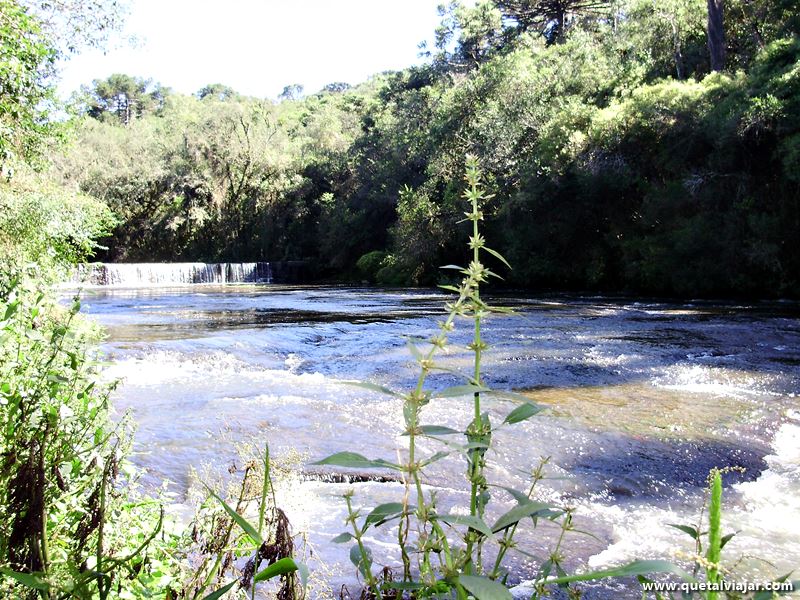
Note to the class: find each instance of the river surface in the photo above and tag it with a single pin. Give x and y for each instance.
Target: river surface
(643, 399)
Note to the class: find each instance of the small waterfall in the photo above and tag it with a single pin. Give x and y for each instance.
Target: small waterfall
(145, 274)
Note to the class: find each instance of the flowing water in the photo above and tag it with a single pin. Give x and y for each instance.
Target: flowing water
(146, 274)
(644, 398)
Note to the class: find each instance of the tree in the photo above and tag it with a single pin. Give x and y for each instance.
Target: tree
(750, 25)
(476, 30)
(33, 35)
(670, 35)
(551, 18)
(216, 91)
(124, 97)
(293, 91)
(76, 24)
(716, 35)
(26, 62)
(337, 87)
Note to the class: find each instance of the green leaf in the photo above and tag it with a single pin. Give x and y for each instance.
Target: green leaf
(519, 512)
(686, 529)
(221, 591)
(517, 495)
(503, 310)
(581, 531)
(436, 430)
(493, 274)
(362, 563)
(639, 567)
(450, 288)
(727, 538)
(522, 412)
(454, 267)
(342, 538)
(27, 579)
(384, 512)
(484, 589)
(433, 458)
(470, 521)
(415, 352)
(353, 460)
(10, 310)
(497, 255)
(372, 387)
(452, 371)
(302, 570)
(280, 567)
(460, 390)
(457, 447)
(251, 531)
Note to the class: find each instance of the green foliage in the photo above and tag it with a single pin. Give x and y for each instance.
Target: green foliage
(74, 25)
(616, 161)
(218, 178)
(217, 91)
(238, 542)
(122, 98)
(73, 523)
(26, 61)
(63, 462)
(474, 30)
(448, 550)
(370, 263)
(47, 225)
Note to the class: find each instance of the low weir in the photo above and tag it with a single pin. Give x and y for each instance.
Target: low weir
(145, 274)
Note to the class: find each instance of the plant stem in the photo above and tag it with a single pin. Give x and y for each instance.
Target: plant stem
(101, 584)
(509, 534)
(365, 561)
(413, 404)
(213, 572)
(265, 487)
(475, 469)
(714, 531)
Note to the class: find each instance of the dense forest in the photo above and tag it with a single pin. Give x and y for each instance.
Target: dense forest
(627, 151)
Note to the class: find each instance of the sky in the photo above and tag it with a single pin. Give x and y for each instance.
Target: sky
(259, 46)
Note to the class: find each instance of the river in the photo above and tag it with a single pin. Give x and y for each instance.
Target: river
(643, 399)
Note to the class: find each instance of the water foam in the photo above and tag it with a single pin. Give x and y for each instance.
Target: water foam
(765, 513)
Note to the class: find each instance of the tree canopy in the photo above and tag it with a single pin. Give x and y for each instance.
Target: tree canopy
(26, 64)
(618, 157)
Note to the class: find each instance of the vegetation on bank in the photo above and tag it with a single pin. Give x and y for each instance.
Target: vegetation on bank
(618, 159)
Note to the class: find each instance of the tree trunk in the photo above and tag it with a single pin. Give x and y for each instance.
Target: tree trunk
(716, 35)
(677, 51)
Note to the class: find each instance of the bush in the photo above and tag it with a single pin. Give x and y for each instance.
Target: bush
(370, 263)
(63, 480)
(47, 225)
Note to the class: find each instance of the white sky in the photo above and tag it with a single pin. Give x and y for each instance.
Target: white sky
(259, 46)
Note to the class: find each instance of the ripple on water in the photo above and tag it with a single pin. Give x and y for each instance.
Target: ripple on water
(643, 399)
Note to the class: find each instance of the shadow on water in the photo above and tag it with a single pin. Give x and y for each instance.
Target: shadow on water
(656, 468)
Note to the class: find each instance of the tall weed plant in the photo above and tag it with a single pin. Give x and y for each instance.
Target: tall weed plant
(462, 553)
